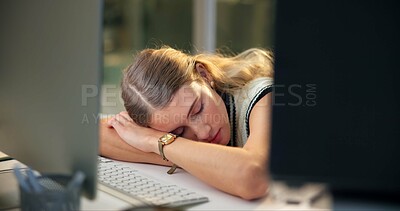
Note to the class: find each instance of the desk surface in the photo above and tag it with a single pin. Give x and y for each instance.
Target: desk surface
(218, 200)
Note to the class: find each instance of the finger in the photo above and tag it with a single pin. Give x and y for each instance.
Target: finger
(126, 115)
(120, 128)
(115, 123)
(109, 122)
(122, 119)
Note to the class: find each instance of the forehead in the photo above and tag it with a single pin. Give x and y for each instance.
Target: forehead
(184, 96)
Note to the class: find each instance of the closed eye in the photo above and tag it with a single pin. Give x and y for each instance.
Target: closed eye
(199, 110)
(178, 131)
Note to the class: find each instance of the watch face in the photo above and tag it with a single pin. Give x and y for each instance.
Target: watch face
(166, 138)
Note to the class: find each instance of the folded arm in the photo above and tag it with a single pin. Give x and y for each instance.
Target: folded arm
(113, 146)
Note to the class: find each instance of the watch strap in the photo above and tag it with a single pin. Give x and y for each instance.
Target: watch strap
(165, 140)
(160, 148)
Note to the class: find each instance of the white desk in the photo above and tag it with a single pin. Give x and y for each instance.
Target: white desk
(218, 200)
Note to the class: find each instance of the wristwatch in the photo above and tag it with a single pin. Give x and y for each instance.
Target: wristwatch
(165, 140)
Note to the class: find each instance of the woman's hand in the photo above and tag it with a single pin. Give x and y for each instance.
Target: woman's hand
(142, 138)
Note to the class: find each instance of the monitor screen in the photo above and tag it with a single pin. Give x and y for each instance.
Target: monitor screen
(50, 65)
(336, 111)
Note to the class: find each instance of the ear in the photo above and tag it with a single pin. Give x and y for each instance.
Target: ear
(202, 70)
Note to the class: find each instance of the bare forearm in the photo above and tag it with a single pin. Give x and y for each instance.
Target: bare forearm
(230, 169)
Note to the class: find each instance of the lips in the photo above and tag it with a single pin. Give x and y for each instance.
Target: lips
(216, 138)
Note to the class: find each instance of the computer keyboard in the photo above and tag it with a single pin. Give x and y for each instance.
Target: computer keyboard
(131, 185)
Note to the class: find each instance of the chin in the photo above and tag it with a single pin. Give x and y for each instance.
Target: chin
(226, 138)
(225, 142)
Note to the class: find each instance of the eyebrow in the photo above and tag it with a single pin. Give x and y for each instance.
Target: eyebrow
(191, 107)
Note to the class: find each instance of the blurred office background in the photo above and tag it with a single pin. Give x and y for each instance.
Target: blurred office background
(190, 25)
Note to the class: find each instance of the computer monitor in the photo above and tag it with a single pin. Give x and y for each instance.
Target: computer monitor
(50, 71)
(336, 112)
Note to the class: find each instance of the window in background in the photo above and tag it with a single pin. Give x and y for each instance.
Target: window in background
(243, 24)
(131, 25)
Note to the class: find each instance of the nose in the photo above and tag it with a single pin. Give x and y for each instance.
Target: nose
(202, 131)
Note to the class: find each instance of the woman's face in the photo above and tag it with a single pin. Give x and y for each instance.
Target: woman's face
(196, 112)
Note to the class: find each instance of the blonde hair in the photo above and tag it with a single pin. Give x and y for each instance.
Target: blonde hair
(232, 73)
(155, 75)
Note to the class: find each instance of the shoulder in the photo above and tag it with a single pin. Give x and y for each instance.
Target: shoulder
(245, 100)
(259, 83)
(254, 90)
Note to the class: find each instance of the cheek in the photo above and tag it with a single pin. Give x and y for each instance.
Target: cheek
(217, 117)
(223, 114)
